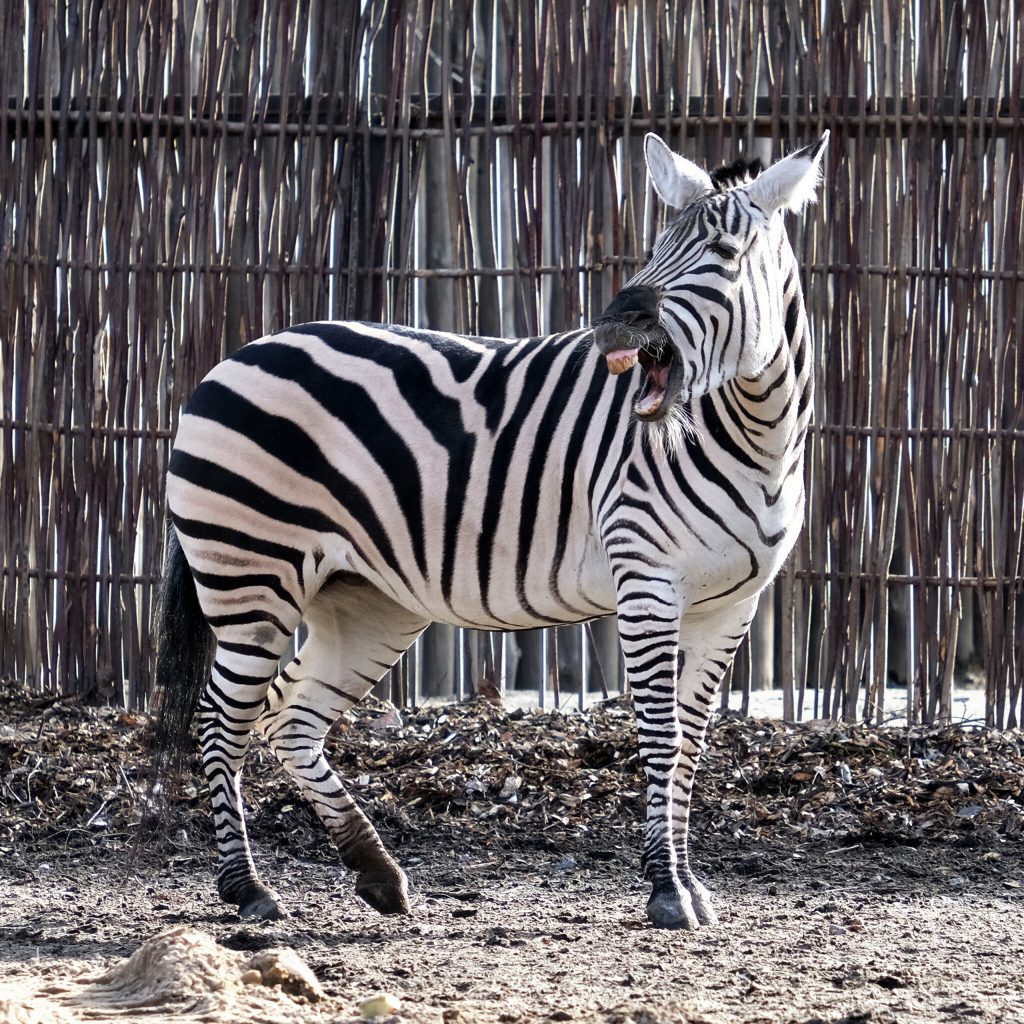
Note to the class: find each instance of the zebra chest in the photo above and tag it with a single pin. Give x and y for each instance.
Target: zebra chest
(743, 555)
(722, 551)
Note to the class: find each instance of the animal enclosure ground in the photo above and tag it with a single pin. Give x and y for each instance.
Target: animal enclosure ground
(862, 875)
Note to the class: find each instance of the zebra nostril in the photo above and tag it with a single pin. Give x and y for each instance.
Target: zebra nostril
(633, 310)
(633, 305)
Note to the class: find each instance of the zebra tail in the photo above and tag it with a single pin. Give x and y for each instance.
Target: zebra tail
(183, 661)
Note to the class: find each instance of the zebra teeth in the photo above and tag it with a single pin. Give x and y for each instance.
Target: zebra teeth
(622, 360)
(649, 402)
(656, 383)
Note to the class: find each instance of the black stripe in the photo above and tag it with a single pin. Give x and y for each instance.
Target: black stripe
(212, 477)
(505, 444)
(710, 472)
(221, 581)
(440, 414)
(199, 530)
(721, 436)
(353, 405)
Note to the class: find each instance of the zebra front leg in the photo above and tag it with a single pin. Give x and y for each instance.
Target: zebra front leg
(707, 644)
(355, 635)
(649, 632)
(242, 672)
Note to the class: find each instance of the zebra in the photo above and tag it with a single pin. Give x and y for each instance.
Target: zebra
(368, 480)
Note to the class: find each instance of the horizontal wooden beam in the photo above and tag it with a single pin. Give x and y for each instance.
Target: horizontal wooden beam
(521, 116)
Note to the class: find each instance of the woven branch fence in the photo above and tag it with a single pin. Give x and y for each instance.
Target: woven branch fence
(181, 176)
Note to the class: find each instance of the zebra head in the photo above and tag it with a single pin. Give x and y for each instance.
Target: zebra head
(708, 306)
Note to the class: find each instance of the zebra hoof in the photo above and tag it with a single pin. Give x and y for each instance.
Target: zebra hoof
(672, 909)
(260, 904)
(385, 895)
(702, 905)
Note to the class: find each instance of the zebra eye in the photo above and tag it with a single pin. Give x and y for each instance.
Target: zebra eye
(727, 252)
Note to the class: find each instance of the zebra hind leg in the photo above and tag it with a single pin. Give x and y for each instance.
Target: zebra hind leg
(244, 665)
(355, 635)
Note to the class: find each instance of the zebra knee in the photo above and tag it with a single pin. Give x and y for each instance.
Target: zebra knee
(296, 744)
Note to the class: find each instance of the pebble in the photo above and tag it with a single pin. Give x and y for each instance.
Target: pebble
(383, 1004)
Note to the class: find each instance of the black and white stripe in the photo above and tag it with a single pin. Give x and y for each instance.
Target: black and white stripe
(369, 480)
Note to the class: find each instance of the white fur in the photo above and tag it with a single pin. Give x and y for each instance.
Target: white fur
(667, 434)
(790, 183)
(677, 180)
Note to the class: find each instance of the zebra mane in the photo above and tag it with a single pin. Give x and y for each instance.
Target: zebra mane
(737, 173)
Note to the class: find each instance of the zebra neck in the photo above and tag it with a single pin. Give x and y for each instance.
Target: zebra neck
(762, 421)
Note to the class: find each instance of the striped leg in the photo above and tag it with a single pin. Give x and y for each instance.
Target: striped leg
(649, 633)
(355, 635)
(706, 648)
(245, 663)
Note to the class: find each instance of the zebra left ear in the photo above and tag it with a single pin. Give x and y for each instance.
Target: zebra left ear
(677, 180)
(790, 183)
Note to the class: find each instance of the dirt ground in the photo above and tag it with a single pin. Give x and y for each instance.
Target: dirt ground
(524, 914)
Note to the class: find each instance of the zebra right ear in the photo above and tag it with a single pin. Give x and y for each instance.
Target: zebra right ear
(790, 183)
(677, 181)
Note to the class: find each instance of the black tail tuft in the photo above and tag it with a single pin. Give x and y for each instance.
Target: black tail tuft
(184, 651)
(184, 654)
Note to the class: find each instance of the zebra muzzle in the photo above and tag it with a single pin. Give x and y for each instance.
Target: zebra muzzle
(622, 360)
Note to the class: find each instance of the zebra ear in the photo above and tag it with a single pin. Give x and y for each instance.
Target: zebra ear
(677, 181)
(791, 183)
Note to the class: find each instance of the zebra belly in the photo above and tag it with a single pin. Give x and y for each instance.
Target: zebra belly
(503, 593)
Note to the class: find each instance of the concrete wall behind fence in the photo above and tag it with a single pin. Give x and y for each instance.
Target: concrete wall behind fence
(179, 178)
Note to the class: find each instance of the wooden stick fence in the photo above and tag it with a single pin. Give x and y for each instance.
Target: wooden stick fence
(180, 177)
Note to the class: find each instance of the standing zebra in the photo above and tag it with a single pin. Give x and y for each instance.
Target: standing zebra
(369, 480)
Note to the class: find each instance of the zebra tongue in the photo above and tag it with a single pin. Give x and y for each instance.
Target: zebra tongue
(622, 360)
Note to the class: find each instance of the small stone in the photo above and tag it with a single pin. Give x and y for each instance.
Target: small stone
(837, 929)
(390, 719)
(283, 969)
(383, 1004)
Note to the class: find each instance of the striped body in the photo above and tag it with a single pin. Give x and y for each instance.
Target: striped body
(478, 476)
(369, 480)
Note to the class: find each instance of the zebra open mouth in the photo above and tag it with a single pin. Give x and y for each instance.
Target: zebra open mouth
(659, 379)
(660, 382)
